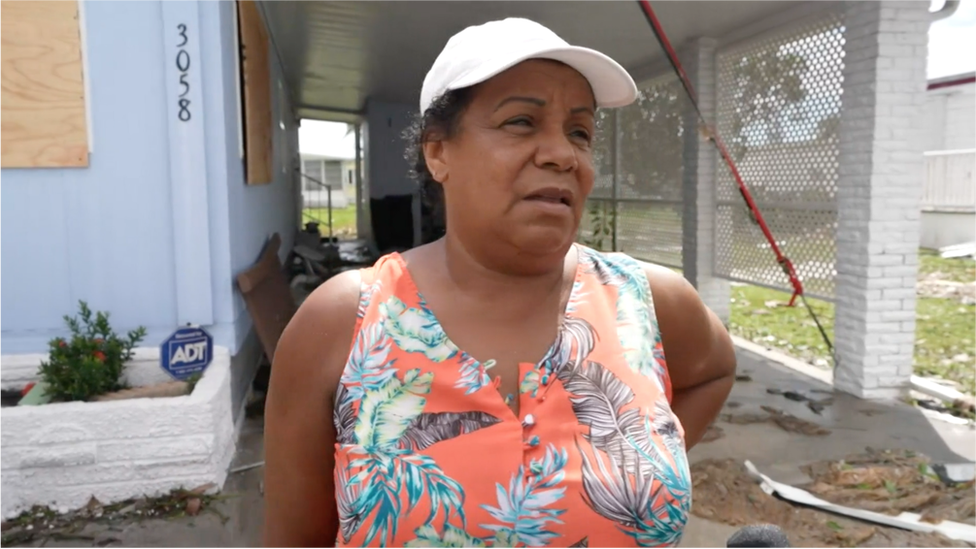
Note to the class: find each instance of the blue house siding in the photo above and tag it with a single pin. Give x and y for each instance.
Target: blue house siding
(255, 212)
(105, 233)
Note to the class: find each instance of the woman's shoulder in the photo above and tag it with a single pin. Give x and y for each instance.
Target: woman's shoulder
(624, 265)
(341, 298)
(670, 290)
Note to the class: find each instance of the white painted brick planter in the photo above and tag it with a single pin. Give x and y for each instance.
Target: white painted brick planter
(63, 454)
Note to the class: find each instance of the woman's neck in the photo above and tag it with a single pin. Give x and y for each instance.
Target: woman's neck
(490, 275)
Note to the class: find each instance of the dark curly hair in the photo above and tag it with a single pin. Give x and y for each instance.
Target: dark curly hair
(439, 121)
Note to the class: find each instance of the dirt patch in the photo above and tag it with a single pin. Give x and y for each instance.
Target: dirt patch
(725, 492)
(937, 285)
(781, 419)
(892, 482)
(41, 524)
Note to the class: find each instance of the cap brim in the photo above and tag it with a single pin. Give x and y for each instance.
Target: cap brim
(611, 83)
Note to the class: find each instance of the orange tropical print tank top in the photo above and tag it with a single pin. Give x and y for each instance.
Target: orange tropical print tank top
(429, 454)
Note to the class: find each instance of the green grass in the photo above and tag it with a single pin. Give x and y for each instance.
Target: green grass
(945, 345)
(343, 220)
(762, 315)
(956, 269)
(944, 341)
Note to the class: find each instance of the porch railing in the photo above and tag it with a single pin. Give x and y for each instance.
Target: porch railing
(307, 212)
(949, 183)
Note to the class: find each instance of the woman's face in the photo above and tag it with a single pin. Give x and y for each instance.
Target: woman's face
(520, 167)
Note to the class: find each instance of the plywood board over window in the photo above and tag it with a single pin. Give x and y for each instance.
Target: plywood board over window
(44, 120)
(256, 71)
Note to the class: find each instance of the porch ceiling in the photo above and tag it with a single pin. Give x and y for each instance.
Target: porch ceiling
(337, 54)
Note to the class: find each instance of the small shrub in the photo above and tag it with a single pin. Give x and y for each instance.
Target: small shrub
(91, 362)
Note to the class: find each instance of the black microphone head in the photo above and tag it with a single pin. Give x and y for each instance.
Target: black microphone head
(759, 535)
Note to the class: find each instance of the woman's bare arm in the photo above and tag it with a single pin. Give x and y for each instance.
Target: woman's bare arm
(698, 349)
(299, 434)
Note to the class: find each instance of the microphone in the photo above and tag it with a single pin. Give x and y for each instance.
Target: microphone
(759, 535)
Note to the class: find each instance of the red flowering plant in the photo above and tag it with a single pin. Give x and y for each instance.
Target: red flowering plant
(91, 361)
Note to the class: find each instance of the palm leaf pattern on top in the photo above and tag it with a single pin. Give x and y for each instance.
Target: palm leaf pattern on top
(626, 475)
(367, 369)
(366, 292)
(473, 375)
(526, 507)
(416, 330)
(430, 428)
(390, 426)
(427, 536)
(636, 327)
(632, 468)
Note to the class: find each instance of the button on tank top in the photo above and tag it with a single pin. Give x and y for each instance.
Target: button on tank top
(429, 454)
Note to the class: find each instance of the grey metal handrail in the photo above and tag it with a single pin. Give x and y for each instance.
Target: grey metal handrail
(329, 189)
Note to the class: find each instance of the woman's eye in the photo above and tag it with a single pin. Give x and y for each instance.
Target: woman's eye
(582, 134)
(519, 122)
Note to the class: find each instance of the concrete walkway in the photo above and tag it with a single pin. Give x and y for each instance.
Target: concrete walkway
(854, 424)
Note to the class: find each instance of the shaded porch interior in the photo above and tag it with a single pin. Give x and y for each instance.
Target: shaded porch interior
(815, 102)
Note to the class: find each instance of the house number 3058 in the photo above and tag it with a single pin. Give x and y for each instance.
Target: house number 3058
(183, 65)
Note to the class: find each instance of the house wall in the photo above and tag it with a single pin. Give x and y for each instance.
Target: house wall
(940, 229)
(105, 234)
(387, 166)
(388, 170)
(950, 121)
(950, 125)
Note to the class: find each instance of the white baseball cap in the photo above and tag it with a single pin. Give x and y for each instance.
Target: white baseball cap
(480, 52)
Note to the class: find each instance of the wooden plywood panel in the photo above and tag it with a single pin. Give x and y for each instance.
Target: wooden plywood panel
(258, 132)
(44, 122)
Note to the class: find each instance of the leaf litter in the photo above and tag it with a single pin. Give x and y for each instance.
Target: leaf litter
(884, 481)
(41, 522)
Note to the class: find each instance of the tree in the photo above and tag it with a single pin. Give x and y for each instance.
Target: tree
(650, 144)
(767, 88)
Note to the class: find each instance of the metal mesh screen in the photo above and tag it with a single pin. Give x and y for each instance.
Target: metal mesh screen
(778, 112)
(598, 223)
(640, 147)
(604, 155)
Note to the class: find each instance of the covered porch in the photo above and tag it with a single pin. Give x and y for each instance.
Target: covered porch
(817, 102)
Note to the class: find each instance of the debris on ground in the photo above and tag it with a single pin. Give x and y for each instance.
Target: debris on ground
(43, 523)
(247, 467)
(781, 419)
(725, 492)
(937, 285)
(816, 406)
(892, 482)
(961, 408)
(745, 378)
(967, 249)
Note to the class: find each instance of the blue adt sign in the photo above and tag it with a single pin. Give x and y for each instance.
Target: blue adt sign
(188, 351)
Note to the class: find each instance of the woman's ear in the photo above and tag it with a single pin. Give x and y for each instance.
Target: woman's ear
(434, 155)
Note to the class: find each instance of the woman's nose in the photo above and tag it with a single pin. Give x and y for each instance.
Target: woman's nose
(555, 151)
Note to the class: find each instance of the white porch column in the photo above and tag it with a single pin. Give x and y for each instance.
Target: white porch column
(879, 195)
(698, 186)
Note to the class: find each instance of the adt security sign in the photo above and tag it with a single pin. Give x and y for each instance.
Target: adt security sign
(188, 351)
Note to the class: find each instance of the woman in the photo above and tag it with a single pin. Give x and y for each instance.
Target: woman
(501, 386)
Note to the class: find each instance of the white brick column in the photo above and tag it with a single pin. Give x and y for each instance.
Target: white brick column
(698, 187)
(879, 195)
